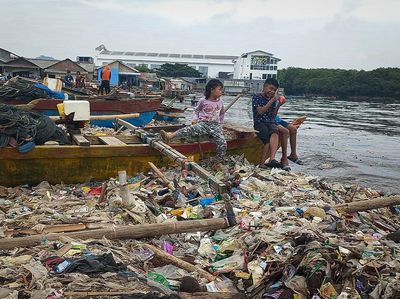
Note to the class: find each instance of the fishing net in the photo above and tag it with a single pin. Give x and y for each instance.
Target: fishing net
(25, 126)
(21, 89)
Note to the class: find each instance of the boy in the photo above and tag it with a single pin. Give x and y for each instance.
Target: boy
(264, 111)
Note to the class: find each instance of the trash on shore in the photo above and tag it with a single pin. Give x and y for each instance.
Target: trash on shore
(297, 236)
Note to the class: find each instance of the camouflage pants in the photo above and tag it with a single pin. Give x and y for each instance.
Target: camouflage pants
(206, 128)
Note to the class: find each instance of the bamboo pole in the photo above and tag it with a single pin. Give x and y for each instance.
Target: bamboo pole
(179, 263)
(122, 232)
(106, 116)
(365, 205)
(233, 102)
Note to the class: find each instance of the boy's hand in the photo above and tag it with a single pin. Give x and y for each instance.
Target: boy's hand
(282, 100)
(194, 122)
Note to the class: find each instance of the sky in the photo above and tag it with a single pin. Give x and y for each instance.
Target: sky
(347, 34)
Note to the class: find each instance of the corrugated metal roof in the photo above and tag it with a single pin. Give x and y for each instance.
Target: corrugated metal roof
(42, 63)
(174, 55)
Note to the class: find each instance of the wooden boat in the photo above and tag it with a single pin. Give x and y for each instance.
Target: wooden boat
(147, 108)
(170, 114)
(107, 155)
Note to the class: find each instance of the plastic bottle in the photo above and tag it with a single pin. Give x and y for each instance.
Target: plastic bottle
(60, 268)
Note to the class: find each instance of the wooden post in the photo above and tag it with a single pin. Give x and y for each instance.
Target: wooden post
(122, 232)
(103, 191)
(170, 259)
(123, 188)
(365, 205)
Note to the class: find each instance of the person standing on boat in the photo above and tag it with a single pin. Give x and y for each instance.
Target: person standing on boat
(105, 76)
(68, 79)
(208, 118)
(265, 108)
(79, 80)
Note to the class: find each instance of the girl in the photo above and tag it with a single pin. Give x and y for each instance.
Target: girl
(208, 118)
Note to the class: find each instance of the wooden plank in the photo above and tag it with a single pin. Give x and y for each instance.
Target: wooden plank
(80, 140)
(239, 128)
(126, 124)
(110, 140)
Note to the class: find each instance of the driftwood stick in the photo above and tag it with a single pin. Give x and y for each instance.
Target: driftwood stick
(162, 177)
(365, 205)
(179, 263)
(121, 232)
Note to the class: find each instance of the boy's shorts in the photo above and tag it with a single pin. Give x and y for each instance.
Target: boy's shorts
(265, 130)
(280, 121)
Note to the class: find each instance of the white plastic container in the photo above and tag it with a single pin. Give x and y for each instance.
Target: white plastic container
(81, 109)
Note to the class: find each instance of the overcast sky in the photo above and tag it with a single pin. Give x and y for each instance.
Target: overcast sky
(349, 34)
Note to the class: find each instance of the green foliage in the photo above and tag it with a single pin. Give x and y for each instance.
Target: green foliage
(382, 82)
(143, 69)
(177, 70)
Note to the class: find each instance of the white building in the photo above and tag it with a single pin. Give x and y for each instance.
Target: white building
(256, 65)
(209, 65)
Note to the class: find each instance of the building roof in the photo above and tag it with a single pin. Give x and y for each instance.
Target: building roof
(60, 66)
(104, 51)
(43, 63)
(120, 62)
(266, 53)
(150, 77)
(189, 79)
(11, 54)
(20, 62)
(89, 67)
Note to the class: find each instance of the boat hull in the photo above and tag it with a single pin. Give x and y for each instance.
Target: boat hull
(77, 164)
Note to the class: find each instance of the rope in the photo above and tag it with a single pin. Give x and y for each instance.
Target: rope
(21, 88)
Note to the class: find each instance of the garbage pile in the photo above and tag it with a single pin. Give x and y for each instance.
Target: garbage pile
(295, 238)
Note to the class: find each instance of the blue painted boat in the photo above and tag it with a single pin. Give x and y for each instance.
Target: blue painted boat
(147, 108)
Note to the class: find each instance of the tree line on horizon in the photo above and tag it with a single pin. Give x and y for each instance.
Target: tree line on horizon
(381, 82)
(171, 70)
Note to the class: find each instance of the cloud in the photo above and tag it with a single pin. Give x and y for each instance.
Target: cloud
(191, 12)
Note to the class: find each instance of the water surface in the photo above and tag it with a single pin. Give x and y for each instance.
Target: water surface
(348, 141)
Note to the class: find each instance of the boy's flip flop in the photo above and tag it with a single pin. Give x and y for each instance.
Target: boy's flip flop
(296, 160)
(273, 164)
(286, 167)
